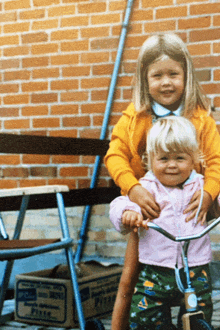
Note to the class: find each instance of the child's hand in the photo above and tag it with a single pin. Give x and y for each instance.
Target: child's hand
(149, 208)
(132, 220)
(193, 206)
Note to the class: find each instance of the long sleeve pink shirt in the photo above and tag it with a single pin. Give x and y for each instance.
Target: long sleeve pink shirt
(154, 248)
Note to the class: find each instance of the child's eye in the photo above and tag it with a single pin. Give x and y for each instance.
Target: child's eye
(163, 158)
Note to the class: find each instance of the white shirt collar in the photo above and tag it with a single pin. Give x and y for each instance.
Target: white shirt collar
(161, 111)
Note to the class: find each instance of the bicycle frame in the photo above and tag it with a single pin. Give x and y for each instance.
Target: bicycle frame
(189, 292)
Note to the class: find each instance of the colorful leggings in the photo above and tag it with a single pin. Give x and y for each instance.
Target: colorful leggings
(156, 290)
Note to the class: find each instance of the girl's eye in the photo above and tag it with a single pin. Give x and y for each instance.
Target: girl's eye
(163, 158)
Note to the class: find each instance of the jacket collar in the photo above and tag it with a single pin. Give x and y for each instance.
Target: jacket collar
(161, 111)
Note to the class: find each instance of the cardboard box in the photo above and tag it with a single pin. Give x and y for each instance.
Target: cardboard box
(45, 297)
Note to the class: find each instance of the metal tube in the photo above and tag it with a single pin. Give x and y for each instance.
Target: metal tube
(97, 165)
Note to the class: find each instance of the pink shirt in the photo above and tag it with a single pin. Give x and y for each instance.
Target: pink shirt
(154, 248)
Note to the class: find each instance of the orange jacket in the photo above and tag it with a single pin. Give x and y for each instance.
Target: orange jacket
(123, 159)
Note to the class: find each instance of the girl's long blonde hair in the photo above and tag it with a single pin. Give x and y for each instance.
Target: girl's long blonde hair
(152, 50)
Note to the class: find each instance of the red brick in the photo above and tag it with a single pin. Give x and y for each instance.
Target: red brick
(102, 69)
(9, 160)
(61, 159)
(216, 20)
(106, 19)
(9, 88)
(34, 86)
(32, 182)
(205, 9)
(177, 11)
(204, 35)
(105, 43)
(32, 14)
(71, 183)
(217, 74)
(199, 49)
(44, 49)
(15, 172)
(34, 37)
(16, 99)
(117, 5)
(92, 8)
(65, 59)
(44, 98)
(9, 112)
(64, 133)
(75, 46)
(95, 83)
(142, 15)
(211, 88)
(216, 47)
(45, 24)
(127, 94)
(65, 34)
(83, 183)
(100, 95)
(62, 10)
(203, 75)
(16, 51)
(8, 184)
(89, 133)
(194, 23)
(9, 40)
(16, 27)
(82, 121)
(156, 3)
(74, 171)
(168, 25)
(41, 110)
(88, 159)
(12, 5)
(95, 32)
(48, 171)
(74, 96)
(31, 62)
(95, 57)
(46, 122)
(64, 109)
(43, 3)
(217, 103)
(207, 61)
(64, 84)
(75, 21)
(17, 124)
(8, 17)
(9, 64)
(75, 71)
(35, 159)
(45, 73)
(92, 109)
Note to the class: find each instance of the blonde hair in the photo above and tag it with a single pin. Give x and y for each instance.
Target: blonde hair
(172, 135)
(153, 49)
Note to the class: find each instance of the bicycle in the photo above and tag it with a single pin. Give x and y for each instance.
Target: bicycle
(193, 319)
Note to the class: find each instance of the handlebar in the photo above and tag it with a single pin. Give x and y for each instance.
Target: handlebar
(183, 238)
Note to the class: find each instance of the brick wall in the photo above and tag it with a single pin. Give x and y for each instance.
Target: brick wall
(57, 57)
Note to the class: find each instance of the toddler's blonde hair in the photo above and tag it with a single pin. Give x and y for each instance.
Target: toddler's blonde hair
(154, 49)
(172, 135)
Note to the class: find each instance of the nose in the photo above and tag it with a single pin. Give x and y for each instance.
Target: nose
(172, 163)
(166, 80)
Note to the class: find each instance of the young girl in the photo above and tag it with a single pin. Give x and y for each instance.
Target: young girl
(172, 152)
(164, 82)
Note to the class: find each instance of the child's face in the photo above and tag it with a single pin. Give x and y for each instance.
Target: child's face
(172, 169)
(166, 82)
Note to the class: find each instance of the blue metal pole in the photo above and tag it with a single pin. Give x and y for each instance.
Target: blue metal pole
(88, 208)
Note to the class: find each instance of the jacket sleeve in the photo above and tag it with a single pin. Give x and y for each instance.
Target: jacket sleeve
(211, 149)
(117, 159)
(117, 207)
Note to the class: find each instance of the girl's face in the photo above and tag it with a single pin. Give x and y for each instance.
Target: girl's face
(166, 82)
(172, 169)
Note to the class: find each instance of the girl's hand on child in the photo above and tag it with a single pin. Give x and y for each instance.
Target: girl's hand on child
(149, 208)
(194, 204)
(132, 220)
